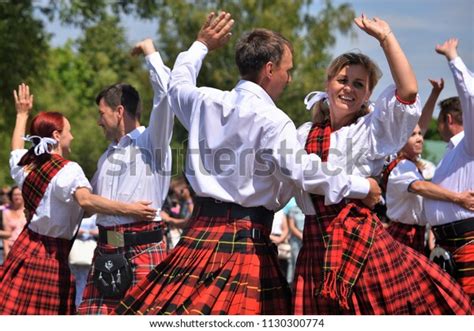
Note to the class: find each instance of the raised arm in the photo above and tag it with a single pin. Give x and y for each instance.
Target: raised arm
(214, 33)
(23, 106)
(161, 117)
(428, 108)
(464, 81)
(93, 204)
(402, 73)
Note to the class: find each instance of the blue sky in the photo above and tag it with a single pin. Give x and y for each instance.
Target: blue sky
(418, 24)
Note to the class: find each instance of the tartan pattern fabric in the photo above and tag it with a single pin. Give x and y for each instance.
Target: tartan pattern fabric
(462, 249)
(214, 271)
(386, 173)
(142, 258)
(35, 278)
(349, 230)
(37, 182)
(394, 279)
(411, 235)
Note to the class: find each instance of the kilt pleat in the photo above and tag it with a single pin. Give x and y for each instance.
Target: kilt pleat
(35, 278)
(142, 258)
(462, 249)
(411, 235)
(214, 271)
(395, 280)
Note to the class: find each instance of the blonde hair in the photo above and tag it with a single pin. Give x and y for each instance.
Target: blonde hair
(320, 110)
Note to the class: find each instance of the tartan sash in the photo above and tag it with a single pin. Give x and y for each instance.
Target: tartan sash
(347, 237)
(38, 180)
(386, 173)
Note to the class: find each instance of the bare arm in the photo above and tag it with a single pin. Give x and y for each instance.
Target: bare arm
(23, 106)
(428, 108)
(294, 231)
(284, 232)
(402, 72)
(432, 191)
(93, 204)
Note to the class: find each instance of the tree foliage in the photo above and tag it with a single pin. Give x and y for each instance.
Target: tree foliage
(68, 78)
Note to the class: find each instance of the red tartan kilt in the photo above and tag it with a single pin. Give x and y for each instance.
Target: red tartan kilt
(142, 258)
(463, 254)
(35, 278)
(395, 280)
(210, 272)
(410, 235)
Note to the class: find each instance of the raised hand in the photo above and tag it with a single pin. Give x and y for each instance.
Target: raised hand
(448, 48)
(215, 32)
(23, 99)
(145, 47)
(437, 85)
(376, 27)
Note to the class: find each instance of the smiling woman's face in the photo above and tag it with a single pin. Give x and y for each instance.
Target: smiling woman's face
(348, 90)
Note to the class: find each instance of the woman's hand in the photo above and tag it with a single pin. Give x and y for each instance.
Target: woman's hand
(376, 27)
(23, 99)
(142, 210)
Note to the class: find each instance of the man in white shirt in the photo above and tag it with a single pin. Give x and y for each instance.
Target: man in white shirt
(450, 122)
(453, 225)
(135, 167)
(244, 162)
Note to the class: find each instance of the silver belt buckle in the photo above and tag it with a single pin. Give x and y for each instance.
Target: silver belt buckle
(115, 238)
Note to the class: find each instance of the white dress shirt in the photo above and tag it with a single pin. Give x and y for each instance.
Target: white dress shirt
(404, 206)
(454, 141)
(58, 214)
(242, 148)
(138, 167)
(361, 147)
(455, 172)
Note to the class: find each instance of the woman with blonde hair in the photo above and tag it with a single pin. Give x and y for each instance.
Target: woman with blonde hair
(349, 264)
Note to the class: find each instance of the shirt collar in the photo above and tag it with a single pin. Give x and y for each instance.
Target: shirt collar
(255, 89)
(454, 141)
(129, 137)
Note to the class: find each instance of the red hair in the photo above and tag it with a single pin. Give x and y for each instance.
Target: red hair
(43, 125)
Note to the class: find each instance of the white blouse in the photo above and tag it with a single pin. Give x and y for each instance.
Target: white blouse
(242, 148)
(404, 206)
(360, 148)
(58, 214)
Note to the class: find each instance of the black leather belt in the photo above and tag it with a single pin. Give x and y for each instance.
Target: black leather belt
(214, 208)
(454, 229)
(123, 239)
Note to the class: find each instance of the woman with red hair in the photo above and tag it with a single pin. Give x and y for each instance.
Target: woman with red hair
(35, 278)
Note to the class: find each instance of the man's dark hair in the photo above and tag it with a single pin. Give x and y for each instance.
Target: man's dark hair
(450, 106)
(122, 94)
(256, 48)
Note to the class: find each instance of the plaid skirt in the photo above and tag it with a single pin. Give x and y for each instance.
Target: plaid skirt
(142, 258)
(35, 278)
(213, 271)
(410, 235)
(395, 280)
(462, 250)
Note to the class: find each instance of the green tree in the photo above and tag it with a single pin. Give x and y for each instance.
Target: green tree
(68, 78)
(23, 50)
(74, 75)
